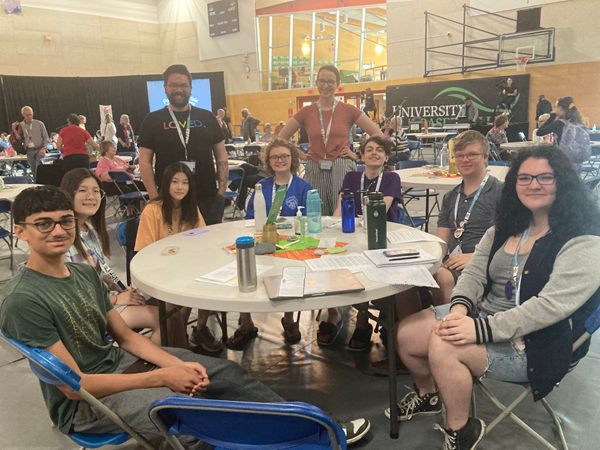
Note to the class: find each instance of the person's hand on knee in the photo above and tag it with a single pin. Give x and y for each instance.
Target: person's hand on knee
(456, 328)
(458, 262)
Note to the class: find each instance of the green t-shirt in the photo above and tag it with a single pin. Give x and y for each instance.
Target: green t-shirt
(39, 310)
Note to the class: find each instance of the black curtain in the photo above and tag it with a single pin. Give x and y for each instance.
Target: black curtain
(54, 98)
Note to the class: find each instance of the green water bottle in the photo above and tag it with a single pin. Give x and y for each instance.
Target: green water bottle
(376, 221)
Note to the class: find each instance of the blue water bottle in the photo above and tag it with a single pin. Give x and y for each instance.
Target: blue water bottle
(313, 211)
(347, 211)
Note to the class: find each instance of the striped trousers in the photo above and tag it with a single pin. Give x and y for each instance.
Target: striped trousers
(328, 182)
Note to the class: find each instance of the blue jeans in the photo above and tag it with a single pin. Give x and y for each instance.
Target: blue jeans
(33, 158)
(503, 362)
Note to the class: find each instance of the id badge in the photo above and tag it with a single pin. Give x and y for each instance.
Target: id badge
(31, 145)
(190, 164)
(325, 165)
(457, 251)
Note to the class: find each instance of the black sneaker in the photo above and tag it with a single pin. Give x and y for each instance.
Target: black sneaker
(467, 438)
(413, 405)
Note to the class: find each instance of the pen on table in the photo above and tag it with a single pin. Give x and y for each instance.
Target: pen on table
(333, 224)
(405, 257)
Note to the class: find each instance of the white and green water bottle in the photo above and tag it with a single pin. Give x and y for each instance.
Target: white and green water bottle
(313, 211)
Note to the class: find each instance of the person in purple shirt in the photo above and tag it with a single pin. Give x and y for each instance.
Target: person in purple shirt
(375, 152)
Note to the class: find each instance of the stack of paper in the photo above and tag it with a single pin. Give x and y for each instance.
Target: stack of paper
(402, 275)
(355, 262)
(227, 275)
(380, 260)
(411, 235)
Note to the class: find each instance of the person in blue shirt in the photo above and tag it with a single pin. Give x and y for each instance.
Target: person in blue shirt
(4, 144)
(282, 162)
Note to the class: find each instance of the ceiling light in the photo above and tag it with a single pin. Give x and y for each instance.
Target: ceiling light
(322, 28)
(305, 49)
(378, 49)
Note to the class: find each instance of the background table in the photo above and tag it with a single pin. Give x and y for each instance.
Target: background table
(11, 191)
(12, 161)
(172, 279)
(517, 145)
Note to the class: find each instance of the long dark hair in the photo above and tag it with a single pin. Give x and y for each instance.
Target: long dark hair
(189, 207)
(573, 212)
(70, 183)
(572, 114)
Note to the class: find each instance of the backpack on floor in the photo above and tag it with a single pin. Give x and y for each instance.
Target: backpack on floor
(575, 142)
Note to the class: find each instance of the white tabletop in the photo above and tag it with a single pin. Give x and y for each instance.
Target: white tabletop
(411, 178)
(431, 135)
(517, 145)
(11, 191)
(172, 278)
(13, 158)
(242, 145)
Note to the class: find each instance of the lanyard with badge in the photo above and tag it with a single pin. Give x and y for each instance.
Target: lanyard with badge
(103, 266)
(184, 142)
(512, 283)
(28, 134)
(274, 191)
(170, 231)
(460, 228)
(324, 164)
(362, 186)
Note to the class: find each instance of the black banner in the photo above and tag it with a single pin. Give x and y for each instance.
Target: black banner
(441, 101)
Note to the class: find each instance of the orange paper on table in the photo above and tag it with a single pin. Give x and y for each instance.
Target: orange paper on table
(302, 255)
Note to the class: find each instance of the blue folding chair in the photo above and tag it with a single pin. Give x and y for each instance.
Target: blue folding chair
(51, 370)
(238, 140)
(6, 234)
(415, 194)
(126, 236)
(251, 149)
(415, 145)
(131, 154)
(404, 217)
(18, 180)
(235, 173)
(230, 425)
(231, 152)
(591, 326)
(130, 198)
(304, 147)
(497, 163)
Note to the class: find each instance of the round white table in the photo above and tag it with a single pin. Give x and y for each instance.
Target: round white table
(12, 161)
(172, 278)
(517, 145)
(414, 178)
(11, 191)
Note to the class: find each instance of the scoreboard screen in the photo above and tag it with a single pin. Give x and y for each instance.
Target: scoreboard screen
(223, 17)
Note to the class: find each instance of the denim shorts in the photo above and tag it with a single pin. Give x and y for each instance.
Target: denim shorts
(503, 362)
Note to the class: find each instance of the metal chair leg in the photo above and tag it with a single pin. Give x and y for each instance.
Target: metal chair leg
(557, 422)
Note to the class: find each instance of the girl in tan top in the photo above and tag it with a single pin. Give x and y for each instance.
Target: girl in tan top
(173, 211)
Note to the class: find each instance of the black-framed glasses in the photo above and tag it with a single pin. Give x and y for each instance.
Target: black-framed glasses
(544, 179)
(183, 86)
(469, 156)
(48, 226)
(283, 158)
(329, 83)
(94, 193)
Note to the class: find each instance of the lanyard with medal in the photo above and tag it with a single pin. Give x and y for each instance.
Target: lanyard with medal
(274, 191)
(460, 228)
(103, 265)
(512, 284)
(170, 231)
(324, 164)
(30, 144)
(190, 164)
(362, 187)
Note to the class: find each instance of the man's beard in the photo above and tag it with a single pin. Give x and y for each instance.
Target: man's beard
(178, 101)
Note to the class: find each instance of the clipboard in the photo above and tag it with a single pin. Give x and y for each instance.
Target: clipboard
(318, 284)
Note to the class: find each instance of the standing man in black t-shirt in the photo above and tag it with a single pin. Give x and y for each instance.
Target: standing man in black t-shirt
(182, 132)
(370, 103)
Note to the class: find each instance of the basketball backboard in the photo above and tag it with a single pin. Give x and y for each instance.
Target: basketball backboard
(538, 45)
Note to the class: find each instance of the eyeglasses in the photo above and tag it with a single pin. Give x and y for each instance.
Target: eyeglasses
(182, 86)
(283, 158)
(329, 83)
(94, 193)
(469, 156)
(543, 179)
(48, 226)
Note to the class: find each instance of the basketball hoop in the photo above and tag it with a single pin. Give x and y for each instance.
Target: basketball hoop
(521, 62)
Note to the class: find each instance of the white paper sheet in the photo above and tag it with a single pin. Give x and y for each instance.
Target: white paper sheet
(292, 282)
(355, 262)
(227, 275)
(380, 260)
(411, 235)
(403, 275)
(327, 242)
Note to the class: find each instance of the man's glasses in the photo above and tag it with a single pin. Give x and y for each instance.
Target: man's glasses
(323, 82)
(283, 158)
(47, 225)
(544, 179)
(182, 86)
(469, 156)
(94, 193)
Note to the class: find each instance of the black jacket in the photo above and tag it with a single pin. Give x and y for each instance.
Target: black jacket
(543, 107)
(552, 125)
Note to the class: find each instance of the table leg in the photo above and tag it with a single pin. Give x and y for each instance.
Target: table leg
(224, 326)
(427, 210)
(162, 320)
(391, 354)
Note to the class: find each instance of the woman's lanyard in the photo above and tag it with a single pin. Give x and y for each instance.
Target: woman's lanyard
(458, 232)
(170, 231)
(187, 128)
(325, 135)
(512, 283)
(362, 186)
(104, 267)
(275, 190)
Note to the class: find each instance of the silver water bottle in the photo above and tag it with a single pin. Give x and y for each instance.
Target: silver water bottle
(246, 264)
